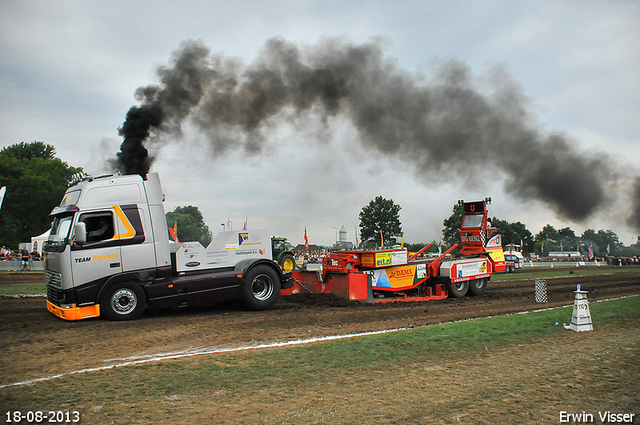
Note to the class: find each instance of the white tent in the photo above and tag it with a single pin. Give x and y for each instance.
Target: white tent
(38, 241)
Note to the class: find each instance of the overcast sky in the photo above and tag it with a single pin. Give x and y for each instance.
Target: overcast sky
(69, 70)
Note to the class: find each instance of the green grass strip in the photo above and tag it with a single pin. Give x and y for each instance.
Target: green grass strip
(23, 288)
(249, 372)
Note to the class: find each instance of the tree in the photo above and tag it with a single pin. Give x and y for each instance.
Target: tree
(36, 181)
(567, 239)
(452, 225)
(415, 247)
(546, 240)
(190, 224)
(602, 242)
(381, 215)
(631, 250)
(31, 150)
(613, 244)
(514, 233)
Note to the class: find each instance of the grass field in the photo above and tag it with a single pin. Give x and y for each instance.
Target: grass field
(22, 282)
(23, 288)
(506, 366)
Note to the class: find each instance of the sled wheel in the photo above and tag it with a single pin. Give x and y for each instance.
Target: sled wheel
(478, 286)
(459, 289)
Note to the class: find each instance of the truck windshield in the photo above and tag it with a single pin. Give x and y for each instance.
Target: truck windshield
(471, 220)
(59, 235)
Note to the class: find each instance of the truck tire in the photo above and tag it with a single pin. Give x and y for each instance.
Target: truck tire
(261, 288)
(287, 262)
(478, 286)
(123, 301)
(459, 289)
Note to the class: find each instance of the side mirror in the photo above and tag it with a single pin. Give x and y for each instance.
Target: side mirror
(80, 231)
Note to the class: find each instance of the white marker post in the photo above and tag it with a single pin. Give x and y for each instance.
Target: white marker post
(581, 319)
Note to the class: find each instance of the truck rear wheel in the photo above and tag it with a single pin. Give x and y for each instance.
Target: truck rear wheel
(261, 288)
(458, 289)
(123, 301)
(478, 286)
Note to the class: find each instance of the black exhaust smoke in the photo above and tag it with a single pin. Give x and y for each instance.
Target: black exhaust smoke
(133, 157)
(634, 219)
(443, 124)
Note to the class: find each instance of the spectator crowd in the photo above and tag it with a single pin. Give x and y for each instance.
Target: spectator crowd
(18, 254)
(22, 255)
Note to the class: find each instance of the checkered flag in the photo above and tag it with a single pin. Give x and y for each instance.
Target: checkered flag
(541, 291)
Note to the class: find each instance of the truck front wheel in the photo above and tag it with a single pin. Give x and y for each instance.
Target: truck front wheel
(458, 289)
(261, 288)
(123, 301)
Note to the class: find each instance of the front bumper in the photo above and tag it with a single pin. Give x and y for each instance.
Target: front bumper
(74, 313)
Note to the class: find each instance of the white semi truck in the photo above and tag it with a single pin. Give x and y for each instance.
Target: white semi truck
(109, 254)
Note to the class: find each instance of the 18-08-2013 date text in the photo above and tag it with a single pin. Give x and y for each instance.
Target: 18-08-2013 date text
(42, 416)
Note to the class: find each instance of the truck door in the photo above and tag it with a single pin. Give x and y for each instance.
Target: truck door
(100, 256)
(138, 251)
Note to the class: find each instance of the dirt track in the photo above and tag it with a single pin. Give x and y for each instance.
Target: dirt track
(37, 344)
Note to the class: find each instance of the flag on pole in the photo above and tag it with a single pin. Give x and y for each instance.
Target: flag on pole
(2, 192)
(173, 231)
(306, 240)
(381, 239)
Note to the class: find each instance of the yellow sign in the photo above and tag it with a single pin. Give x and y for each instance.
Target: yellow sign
(496, 254)
(377, 259)
(400, 277)
(383, 259)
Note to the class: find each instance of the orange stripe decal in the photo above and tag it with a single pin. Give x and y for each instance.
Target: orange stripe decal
(129, 230)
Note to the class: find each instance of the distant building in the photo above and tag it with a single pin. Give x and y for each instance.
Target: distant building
(342, 244)
(342, 234)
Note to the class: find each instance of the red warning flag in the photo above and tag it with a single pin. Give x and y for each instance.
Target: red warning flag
(306, 240)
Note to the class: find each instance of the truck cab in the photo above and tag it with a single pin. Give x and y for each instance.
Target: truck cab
(108, 253)
(513, 253)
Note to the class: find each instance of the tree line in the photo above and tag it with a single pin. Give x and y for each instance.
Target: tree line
(602, 242)
(380, 221)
